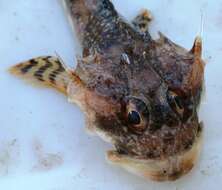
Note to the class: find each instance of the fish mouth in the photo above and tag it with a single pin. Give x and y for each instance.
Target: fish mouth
(169, 169)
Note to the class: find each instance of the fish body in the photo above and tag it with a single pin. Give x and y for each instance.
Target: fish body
(137, 93)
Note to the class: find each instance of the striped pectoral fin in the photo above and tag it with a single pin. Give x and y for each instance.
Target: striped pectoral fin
(48, 71)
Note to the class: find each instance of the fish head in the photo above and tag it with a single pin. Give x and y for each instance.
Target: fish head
(153, 126)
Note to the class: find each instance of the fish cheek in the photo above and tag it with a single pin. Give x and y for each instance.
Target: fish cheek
(107, 123)
(114, 125)
(101, 105)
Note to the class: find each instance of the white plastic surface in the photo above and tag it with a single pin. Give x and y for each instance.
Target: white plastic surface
(43, 144)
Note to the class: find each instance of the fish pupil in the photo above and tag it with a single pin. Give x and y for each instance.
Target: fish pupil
(134, 118)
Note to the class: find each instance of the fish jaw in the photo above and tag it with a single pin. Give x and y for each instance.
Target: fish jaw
(169, 169)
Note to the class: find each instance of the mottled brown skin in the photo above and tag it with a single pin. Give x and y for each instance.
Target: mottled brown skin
(152, 71)
(138, 93)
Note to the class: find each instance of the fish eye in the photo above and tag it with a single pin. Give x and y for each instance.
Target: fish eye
(136, 123)
(137, 115)
(175, 102)
(134, 117)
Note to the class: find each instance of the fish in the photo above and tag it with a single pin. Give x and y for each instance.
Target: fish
(138, 93)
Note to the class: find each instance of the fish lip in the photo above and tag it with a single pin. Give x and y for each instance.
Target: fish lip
(141, 157)
(168, 169)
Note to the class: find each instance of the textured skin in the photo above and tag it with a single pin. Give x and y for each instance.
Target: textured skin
(153, 69)
(123, 71)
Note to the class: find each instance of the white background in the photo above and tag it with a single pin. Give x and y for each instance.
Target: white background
(43, 144)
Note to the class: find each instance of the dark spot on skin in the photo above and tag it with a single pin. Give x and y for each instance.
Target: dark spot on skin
(108, 82)
(142, 25)
(150, 155)
(100, 77)
(86, 52)
(115, 97)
